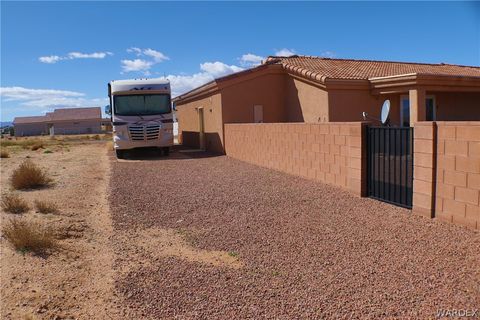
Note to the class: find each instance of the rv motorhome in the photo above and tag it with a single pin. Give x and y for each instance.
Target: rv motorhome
(141, 113)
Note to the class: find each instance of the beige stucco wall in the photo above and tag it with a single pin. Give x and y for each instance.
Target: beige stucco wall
(235, 104)
(60, 127)
(77, 127)
(189, 125)
(30, 129)
(267, 89)
(457, 106)
(348, 104)
(305, 102)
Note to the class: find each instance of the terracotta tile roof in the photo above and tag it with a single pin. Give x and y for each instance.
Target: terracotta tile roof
(76, 114)
(366, 69)
(34, 119)
(63, 115)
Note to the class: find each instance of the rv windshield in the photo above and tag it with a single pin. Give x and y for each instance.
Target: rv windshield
(141, 104)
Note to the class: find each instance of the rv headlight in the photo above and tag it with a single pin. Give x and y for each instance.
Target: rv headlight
(120, 131)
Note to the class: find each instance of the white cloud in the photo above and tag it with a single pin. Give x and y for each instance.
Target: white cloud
(20, 93)
(184, 83)
(136, 65)
(218, 69)
(42, 100)
(156, 55)
(136, 50)
(285, 52)
(209, 71)
(149, 56)
(251, 59)
(50, 59)
(328, 54)
(75, 55)
(94, 55)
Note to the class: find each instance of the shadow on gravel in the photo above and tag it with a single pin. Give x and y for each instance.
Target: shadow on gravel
(177, 152)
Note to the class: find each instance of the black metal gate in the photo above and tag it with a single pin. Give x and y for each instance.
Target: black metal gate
(390, 164)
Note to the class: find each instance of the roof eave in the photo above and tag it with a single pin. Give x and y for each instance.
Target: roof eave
(434, 82)
(213, 86)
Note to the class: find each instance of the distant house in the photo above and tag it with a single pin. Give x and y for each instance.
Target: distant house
(60, 121)
(321, 90)
(107, 124)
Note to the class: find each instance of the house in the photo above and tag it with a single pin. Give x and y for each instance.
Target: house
(323, 90)
(107, 125)
(60, 121)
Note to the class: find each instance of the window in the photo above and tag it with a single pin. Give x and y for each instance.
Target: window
(142, 104)
(430, 109)
(405, 111)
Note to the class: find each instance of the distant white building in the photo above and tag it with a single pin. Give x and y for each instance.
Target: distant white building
(60, 121)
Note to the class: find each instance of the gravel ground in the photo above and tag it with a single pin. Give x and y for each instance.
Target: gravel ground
(303, 249)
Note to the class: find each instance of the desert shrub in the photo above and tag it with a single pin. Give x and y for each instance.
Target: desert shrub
(4, 154)
(13, 203)
(96, 137)
(29, 176)
(44, 206)
(37, 146)
(48, 151)
(26, 235)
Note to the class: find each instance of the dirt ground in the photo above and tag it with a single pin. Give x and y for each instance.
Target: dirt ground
(76, 281)
(197, 236)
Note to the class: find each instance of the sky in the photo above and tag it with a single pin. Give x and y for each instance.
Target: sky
(63, 54)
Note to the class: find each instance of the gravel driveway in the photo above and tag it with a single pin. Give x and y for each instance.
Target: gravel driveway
(215, 238)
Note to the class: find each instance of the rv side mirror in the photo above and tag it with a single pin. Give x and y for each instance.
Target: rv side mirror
(108, 110)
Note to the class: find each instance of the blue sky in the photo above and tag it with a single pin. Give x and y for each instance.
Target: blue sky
(56, 54)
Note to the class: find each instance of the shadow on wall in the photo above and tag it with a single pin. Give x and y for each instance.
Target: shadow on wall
(213, 142)
(292, 105)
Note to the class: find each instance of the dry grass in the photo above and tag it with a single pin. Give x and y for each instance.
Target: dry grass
(4, 154)
(44, 206)
(29, 176)
(109, 145)
(28, 236)
(13, 203)
(19, 142)
(37, 146)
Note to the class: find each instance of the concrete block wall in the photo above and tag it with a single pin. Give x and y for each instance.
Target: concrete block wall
(333, 153)
(424, 168)
(458, 173)
(447, 171)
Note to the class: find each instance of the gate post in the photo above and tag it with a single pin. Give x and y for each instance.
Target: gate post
(424, 168)
(357, 162)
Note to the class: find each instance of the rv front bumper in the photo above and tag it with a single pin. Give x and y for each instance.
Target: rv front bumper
(127, 141)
